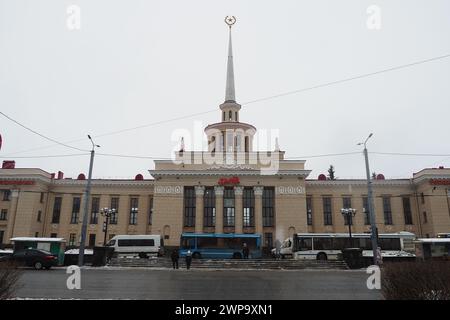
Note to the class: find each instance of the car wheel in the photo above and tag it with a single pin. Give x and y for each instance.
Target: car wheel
(237, 255)
(322, 256)
(38, 265)
(197, 255)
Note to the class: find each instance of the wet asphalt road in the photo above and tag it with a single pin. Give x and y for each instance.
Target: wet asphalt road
(198, 284)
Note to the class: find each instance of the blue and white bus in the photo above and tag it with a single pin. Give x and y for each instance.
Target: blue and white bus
(220, 245)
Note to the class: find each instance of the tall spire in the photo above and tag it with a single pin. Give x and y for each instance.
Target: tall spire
(230, 95)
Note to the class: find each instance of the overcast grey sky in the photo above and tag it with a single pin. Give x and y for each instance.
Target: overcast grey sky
(138, 62)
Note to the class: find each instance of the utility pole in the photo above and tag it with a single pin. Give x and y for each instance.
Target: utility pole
(87, 194)
(374, 231)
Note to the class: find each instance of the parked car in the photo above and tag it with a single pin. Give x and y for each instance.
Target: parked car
(36, 258)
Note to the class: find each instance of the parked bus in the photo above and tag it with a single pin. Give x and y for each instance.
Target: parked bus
(433, 248)
(443, 235)
(220, 245)
(143, 245)
(324, 246)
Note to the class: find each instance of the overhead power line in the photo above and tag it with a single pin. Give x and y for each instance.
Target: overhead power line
(40, 134)
(327, 84)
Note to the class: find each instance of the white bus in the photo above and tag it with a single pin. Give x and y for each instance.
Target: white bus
(142, 245)
(433, 248)
(324, 246)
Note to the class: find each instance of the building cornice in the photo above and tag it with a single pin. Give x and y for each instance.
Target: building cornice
(359, 182)
(104, 183)
(161, 173)
(429, 176)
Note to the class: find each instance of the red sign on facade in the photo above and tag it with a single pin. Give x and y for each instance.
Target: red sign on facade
(440, 182)
(16, 182)
(232, 180)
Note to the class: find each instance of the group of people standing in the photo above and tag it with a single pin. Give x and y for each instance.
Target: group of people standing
(175, 256)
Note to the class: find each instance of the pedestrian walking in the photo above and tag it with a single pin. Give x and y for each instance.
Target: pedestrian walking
(245, 251)
(188, 259)
(277, 249)
(175, 256)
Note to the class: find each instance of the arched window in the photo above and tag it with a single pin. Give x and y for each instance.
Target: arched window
(236, 116)
(223, 116)
(230, 116)
(246, 144)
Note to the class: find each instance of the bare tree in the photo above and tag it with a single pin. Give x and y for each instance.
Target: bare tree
(9, 277)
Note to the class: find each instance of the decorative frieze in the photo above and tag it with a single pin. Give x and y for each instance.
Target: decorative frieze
(169, 189)
(290, 190)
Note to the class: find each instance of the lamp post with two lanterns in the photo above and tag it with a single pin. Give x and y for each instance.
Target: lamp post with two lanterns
(349, 213)
(107, 213)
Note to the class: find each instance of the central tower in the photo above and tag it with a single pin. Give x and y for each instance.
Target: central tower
(230, 135)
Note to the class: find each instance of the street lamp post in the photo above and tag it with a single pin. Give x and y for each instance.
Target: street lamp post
(373, 225)
(349, 213)
(86, 206)
(107, 213)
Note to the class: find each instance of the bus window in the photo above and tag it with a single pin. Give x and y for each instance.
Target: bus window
(187, 243)
(207, 243)
(304, 244)
(389, 244)
(323, 244)
(365, 243)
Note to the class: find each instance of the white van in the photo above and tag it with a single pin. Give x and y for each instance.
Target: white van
(143, 245)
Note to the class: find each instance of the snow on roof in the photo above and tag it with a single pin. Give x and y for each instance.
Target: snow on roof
(38, 239)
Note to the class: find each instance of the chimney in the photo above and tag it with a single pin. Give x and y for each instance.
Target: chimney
(8, 164)
(60, 175)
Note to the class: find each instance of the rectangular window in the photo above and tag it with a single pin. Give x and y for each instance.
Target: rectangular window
(209, 202)
(72, 239)
(425, 218)
(150, 211)
(422, 198)
(95, 210)
(366, 211)
(134, 209)
(75, 210)
(387, 210)
(407, 210)
(114, 215)
(4, 214)
(56, 210)
(41, 199)
(228, 207)
(347, 203)
(53, 235)
(327, 212)
(248, 199)
(36, 234)
(309, 218)
(189, 206)
(6, 195)
(91, 240)
(268, 206)
(39, 216)
(2, 235)
(268, 240)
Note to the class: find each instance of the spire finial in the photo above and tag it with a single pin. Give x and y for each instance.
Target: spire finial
(230, 20)
(230, 94)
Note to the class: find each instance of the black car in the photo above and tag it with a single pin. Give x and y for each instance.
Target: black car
(36, 258)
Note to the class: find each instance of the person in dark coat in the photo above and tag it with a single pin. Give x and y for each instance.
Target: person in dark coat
(175, 256)
(245, 251)
(188, 259)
